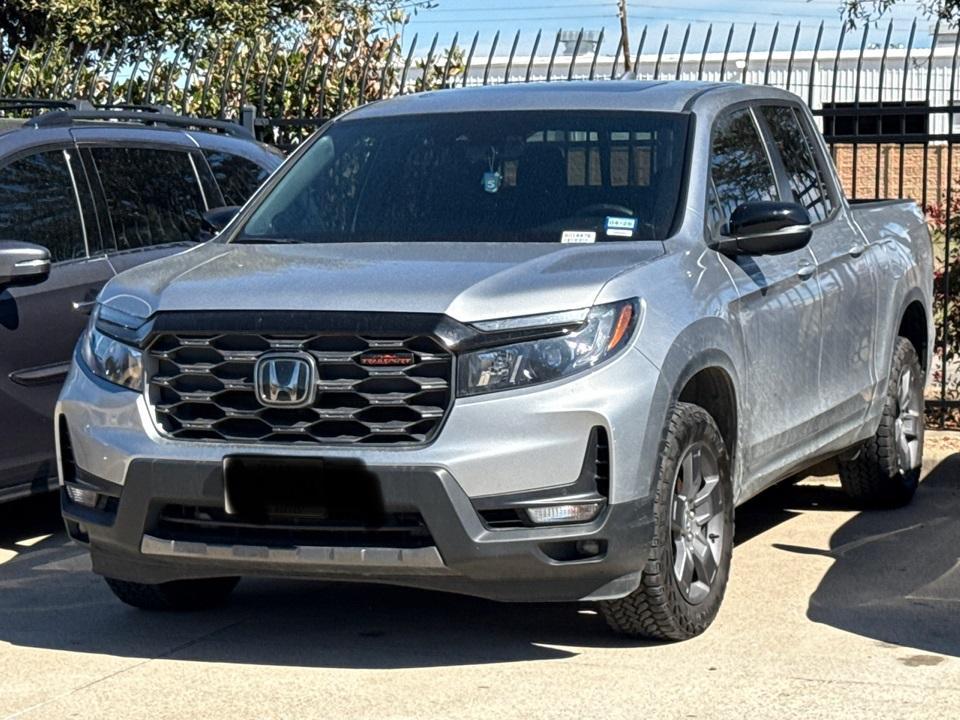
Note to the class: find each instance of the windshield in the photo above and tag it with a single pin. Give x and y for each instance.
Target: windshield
(482, 177)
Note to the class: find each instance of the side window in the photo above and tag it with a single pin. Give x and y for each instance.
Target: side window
(806, 183)
(152, 195)
(38, 205)
(739, 167)
(236, 176)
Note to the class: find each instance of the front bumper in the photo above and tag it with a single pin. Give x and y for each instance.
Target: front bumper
(128, 540)
(496, 449)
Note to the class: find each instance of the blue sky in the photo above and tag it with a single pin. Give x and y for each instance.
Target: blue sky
(527, 16)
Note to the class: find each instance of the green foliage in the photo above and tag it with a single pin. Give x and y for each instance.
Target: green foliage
(157, 22)
(313, 71)
(860, 11)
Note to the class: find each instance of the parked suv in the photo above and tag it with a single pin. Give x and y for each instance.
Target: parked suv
(85, 194)
(526, 342)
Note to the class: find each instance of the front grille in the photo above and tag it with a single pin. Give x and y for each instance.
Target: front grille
(214, 526)
(201, 387)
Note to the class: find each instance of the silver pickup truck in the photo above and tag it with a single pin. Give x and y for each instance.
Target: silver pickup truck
(530, 343)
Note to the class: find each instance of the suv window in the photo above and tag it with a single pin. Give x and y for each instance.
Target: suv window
(806, 182)
(38, 205)
(236, 176)
(152, 195)
(739, 166)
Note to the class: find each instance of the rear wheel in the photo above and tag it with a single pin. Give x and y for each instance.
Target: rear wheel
(886, 471)
(688, 565)
(177, 595)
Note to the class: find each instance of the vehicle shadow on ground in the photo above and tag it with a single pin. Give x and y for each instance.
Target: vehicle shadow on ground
(49, 599)
(896, 573)
(891, 581)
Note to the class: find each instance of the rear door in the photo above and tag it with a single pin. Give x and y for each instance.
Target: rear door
(45, 200)
(846, 270)
(151, 189)
(778, 310)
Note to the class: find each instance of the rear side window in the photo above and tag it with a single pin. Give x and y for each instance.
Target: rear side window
(806, 183)
(739, 166)
(38, 205)
(152, 195)
(236, 176)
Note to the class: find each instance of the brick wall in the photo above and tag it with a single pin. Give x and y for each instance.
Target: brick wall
(888, 170)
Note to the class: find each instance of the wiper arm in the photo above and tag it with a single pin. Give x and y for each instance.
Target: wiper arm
(254, 240)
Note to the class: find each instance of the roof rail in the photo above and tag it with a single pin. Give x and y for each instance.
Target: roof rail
(28, 103)
(148, 115)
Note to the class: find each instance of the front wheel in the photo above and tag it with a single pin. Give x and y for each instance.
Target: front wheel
(886, 471)
(688, 565)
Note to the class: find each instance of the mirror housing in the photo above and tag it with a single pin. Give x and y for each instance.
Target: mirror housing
(765, 227)
(23, 264)
(216, 219)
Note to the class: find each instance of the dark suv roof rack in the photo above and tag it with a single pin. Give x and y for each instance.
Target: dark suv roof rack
(65, 112)
(27, 103)
(57, 118)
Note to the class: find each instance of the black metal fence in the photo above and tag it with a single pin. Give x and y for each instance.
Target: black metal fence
(886, 97)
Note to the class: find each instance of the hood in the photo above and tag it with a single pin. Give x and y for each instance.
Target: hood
(466, 281)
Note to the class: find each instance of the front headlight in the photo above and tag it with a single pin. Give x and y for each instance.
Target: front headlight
(112, 360)
(605, 331)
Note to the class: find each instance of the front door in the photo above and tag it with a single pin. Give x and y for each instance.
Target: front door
(778, 310)
(40, 202)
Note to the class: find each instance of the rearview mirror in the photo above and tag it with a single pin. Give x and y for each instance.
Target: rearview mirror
(216, 219)
(23, 263)
(765, 228)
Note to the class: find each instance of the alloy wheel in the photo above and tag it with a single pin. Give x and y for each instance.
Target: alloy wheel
(908, 427)
(697, 522)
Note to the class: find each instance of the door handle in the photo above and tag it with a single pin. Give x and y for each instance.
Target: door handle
(858, 250)
(806, 270)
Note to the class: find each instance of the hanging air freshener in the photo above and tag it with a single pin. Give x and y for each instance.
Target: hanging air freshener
(492, 179)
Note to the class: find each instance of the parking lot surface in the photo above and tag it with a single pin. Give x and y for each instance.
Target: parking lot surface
(830, 613)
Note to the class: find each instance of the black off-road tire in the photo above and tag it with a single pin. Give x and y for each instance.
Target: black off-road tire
(180, 595)
(658, 608)
(874, 477)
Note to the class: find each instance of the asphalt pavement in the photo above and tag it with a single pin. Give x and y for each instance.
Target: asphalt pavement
(830, 613)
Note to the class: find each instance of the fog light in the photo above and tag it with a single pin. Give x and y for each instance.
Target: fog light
(548, 514)
(82, 496)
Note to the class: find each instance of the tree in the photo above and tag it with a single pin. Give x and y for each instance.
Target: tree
(856, 11)
(159, 22)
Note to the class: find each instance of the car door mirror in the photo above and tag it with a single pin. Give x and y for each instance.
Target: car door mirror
(23, 264)
(765, 228)
(216, 219)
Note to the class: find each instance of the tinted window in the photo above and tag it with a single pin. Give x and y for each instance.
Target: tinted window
(806, 184)
(739, 166)
(236, 176)
(152, 195)
(38, 205)
(483, 177)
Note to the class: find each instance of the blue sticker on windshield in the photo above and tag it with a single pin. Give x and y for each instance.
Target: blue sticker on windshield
(620, 226)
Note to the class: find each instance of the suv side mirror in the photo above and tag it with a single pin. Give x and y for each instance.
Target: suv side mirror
(23, 263)
(216, 219)
(764, 228)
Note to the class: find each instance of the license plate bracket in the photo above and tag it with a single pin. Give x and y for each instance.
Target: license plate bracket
(266, 488)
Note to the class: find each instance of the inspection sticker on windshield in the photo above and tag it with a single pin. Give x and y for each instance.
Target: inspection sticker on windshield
(620, 226)
(578, 236)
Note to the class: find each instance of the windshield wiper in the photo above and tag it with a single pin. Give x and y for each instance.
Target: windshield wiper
(254, 240)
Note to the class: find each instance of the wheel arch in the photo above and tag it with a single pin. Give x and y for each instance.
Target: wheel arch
(914, 325)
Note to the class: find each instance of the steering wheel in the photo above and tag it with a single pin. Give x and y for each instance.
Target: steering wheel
(604, 209)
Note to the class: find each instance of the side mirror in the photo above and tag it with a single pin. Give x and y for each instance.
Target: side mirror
(23, 264)
(765, 228)
(216, 219)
